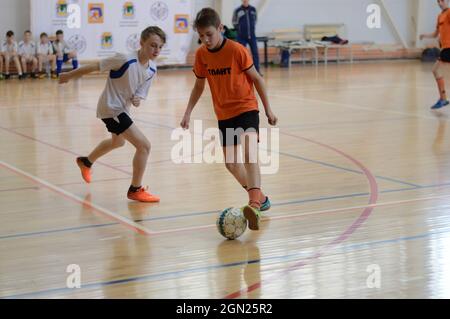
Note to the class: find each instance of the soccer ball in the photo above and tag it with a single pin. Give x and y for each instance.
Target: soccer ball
(231, 223)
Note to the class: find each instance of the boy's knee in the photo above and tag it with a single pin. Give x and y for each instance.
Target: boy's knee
(118, 143)
(231, 166)
(147, 146)
(144, 146)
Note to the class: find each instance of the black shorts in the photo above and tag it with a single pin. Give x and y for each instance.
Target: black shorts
(248, 122)
(445, 55)
(119, 124)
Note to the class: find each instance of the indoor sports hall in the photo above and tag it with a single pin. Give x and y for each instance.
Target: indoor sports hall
(357, 167)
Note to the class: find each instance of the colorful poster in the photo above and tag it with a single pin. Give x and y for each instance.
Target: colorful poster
(106, 27)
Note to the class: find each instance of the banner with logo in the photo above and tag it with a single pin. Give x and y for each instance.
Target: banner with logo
(98, 29)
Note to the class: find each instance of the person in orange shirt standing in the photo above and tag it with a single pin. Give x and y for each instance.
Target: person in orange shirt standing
(231, 74)
(443, 31)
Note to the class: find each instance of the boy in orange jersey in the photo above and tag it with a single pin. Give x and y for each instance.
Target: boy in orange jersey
(231, 75)
(443, 31)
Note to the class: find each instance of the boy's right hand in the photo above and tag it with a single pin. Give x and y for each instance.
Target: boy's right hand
(185, 121)
(64, 78)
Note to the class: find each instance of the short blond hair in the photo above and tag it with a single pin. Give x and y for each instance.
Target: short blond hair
(153, 30)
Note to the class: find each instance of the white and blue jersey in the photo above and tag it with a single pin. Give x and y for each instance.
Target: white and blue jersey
(127, 78)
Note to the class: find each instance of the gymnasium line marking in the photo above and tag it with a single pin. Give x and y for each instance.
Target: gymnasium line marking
(291, 216)
(268, 261)
(318, 212)
(163, 126)
(60, 149)
(351, 106)
(372, 181)
(111, 215)
(209, 226)
(341, 238)
(145, 231)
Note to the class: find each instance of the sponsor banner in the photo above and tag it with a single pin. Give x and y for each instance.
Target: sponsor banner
(106, 27)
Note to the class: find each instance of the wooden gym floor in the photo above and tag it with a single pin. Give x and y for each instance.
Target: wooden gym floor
(362, 189)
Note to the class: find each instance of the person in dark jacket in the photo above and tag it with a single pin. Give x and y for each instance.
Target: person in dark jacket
(244, 21)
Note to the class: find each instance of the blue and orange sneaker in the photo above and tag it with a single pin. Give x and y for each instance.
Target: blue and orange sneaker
(253, 215)
(142, 195)
(440, 104)
(85, 171)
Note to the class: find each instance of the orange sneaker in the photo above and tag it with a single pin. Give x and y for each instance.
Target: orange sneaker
(85, 171)
(142, 195)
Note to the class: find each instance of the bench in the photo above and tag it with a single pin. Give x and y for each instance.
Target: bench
(315, 32)
(292, 40)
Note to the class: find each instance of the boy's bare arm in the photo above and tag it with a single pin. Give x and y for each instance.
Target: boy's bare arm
(261, 89)
(74, 74)
(196, 93)
(429, 35)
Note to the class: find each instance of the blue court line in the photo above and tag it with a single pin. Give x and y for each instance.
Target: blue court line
(348, 169)
(164, 126)
(265, 261)
(62, 230)
(318, 199)
(213, 212)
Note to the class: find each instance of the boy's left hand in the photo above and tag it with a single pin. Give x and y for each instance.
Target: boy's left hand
(273, 120)
(136, 101)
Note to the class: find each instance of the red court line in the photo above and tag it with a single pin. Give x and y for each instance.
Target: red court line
(64, 184)
(95, 181)
(19, 189)
(65, 150)
(160, 232)
(342, 237)
(105, 212)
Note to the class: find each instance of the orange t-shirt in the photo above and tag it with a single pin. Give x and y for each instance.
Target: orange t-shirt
(443, 26)
(231, 88)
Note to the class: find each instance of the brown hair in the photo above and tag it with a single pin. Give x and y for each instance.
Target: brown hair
(153, 30)
(207, 17)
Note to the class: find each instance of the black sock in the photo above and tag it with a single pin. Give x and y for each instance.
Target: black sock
(86, 162)
(133, 189)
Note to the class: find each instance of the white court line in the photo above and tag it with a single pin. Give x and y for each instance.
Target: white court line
(110, 238)
(327, 211)
(140, 229)
(352, 106)
(321, 89)
(122, 220)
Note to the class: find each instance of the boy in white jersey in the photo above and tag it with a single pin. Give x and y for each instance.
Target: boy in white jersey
(128, 83)
(27, 54)
(45, 54)
(64, 52)
(9, 49)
